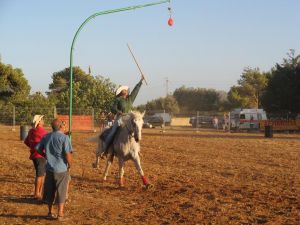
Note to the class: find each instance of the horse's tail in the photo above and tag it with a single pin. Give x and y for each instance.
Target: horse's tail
(96, 138)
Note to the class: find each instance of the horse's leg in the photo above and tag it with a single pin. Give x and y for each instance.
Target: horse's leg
(98, 153)
(109, 161)
(137, 163)
(121, 172)
(96, 163)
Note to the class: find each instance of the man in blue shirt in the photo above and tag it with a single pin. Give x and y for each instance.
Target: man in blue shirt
(58, 151)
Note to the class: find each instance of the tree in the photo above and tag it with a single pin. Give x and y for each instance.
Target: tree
(248, 92)
(13, 85)
(197, 99)
(169, 104)
(88, 91)
(236, 98)
(36, 103)
(224, 104)
(282, 94)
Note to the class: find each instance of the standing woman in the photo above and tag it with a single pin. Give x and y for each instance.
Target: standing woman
(34, 136)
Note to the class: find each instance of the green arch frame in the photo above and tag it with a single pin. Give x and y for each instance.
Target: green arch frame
(74, 40)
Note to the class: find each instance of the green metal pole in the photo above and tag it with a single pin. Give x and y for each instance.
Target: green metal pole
(75, 37)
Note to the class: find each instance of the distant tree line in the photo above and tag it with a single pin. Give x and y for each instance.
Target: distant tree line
(277, 91)
(88, 92)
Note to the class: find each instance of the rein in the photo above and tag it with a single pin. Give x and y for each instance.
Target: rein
(129, 129)
(132, 128)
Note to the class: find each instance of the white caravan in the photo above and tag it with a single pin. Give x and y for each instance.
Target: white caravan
(246, 119)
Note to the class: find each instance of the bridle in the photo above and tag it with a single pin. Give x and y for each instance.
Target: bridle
(132, 129)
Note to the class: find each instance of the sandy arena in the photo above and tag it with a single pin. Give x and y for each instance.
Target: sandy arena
(208, 177)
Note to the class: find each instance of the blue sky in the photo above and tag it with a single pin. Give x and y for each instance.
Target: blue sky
(210, 44)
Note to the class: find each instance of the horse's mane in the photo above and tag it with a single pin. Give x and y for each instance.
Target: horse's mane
(133, 115)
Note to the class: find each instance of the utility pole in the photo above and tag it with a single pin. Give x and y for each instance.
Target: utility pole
(167, 87)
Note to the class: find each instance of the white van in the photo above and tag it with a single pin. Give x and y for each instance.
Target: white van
(165, 116)
(246, 119)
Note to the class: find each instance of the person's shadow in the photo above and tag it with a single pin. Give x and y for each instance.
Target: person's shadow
(11, 179)
(25, 199)
(23, 217)
(21, 199)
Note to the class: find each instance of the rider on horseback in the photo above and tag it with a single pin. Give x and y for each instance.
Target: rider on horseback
(122, 105)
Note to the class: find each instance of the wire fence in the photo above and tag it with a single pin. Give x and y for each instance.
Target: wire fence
(17, 116)
(13, 116)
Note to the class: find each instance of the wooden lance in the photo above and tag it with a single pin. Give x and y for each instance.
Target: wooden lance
(137, 64)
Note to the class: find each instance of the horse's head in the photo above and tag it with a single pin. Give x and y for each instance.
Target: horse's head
(136, 119)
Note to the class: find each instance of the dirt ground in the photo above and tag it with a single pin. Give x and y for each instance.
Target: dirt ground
(208, 177)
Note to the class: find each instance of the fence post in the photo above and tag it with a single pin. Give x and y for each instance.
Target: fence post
(229, 122)
(164, 123)
(14, 118)
(93, 119)
(197, 121)
(54, 112)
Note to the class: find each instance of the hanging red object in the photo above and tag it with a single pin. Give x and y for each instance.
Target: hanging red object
(170, 22)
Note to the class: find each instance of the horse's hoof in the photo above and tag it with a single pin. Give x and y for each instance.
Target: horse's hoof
(148, 186)
(121, 185)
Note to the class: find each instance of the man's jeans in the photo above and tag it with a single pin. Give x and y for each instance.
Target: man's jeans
(109, 139)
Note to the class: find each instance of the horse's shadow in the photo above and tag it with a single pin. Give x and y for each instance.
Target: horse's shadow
(99, 184)
(110, 187)
(80, 178)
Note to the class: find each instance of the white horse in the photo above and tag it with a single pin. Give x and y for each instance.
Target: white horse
(125, 147)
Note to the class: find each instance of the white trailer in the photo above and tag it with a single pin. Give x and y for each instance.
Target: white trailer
(246, 119)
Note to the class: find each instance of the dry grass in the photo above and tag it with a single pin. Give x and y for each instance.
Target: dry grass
(207, 177)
